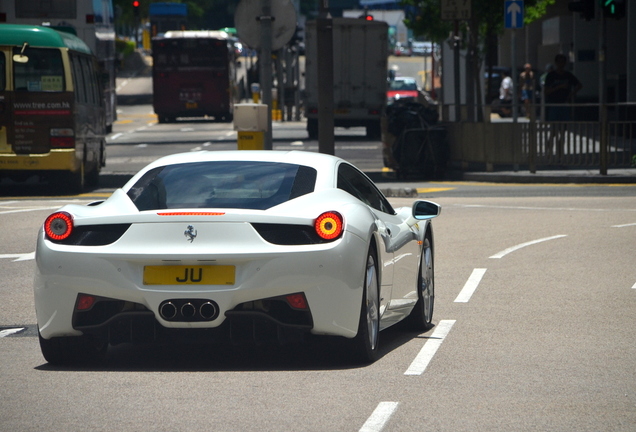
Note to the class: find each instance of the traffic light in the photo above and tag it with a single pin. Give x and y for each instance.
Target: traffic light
(613, 8)
(585, 7)
(135, 5)
(366, 17)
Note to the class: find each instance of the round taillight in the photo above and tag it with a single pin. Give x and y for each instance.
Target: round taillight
(329, 225)
(58, 226)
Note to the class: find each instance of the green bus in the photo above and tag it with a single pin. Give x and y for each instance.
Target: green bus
(52, 113)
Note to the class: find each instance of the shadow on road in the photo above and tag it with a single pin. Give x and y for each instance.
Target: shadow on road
(317, 353)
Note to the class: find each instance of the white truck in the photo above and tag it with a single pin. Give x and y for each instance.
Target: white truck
(360, 51)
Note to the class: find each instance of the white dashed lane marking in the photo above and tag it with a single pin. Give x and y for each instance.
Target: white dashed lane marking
(430, 348)
(9, 332)
(471, 285)
(379, 417)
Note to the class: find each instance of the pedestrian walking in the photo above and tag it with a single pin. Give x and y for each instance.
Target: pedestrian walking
(505, 95)
(527, 81)
(561, 87)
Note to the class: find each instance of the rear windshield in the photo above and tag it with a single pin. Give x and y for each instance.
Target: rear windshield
(202, 52)
(41, 71)
(403, 85)
(222, 184)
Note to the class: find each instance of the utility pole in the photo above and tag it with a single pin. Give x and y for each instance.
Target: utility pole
(324, 33)
(265, 66)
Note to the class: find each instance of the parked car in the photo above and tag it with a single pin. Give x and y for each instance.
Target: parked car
(240, 245)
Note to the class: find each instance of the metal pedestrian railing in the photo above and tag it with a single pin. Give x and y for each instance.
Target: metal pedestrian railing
(538, 144)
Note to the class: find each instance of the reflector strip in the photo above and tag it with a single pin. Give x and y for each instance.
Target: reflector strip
(297, 301)
(85, 302)
(191, 214)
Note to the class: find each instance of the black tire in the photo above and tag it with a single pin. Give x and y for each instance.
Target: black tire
(76, 180)
(72, 349)
(92, 177)
(422, 314)
(364, 346)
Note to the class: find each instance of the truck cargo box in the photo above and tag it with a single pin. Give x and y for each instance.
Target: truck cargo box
(360, 50)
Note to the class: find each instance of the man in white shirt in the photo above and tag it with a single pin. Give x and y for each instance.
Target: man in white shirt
(505, 95)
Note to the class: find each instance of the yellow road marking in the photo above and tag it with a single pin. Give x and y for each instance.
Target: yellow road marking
(430, 190)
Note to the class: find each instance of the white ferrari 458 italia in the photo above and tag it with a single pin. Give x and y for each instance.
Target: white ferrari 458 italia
(233, 246)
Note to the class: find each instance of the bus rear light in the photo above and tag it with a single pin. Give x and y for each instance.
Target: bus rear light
(62, 138)
(90, 19)
(58, 226)
(62, 142)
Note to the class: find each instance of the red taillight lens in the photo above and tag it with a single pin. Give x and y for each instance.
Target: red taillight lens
(58, 226)
(62, 142)
(62, 138)
(329, 225)
(297, 301)
(85, 302)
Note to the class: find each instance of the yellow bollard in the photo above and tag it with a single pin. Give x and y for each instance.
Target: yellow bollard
(251, 123)
(256, 93)
(249, 140)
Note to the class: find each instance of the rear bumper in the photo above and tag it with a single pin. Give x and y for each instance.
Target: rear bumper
(330, 277)
(141, 327)
(55, 160)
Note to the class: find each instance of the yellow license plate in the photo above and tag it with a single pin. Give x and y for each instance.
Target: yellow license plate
(192, 105)
(189, 275)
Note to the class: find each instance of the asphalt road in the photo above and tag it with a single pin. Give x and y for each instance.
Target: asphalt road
(533, 331)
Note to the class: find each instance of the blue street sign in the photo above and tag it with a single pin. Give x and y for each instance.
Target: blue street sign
(513, 14)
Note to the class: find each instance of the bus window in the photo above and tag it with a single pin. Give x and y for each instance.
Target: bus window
(43, 72)
(89, 80)
(78, 79)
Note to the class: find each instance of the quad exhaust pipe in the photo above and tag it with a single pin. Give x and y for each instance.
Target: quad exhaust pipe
(188, 310)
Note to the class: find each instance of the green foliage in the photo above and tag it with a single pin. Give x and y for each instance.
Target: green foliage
(634, 161)
(534, 12)
(124, 47)
(423, 17)
(425, 22)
